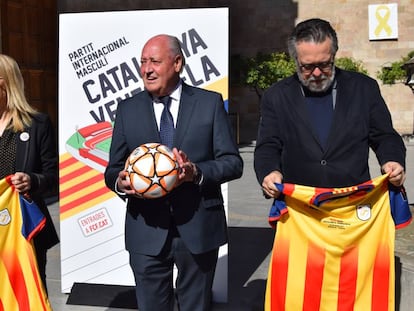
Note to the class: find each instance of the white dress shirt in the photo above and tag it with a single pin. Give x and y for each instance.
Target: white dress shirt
(175, 104)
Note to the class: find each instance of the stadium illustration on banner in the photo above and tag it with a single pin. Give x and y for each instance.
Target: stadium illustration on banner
(99, 68)
(87, 157)
(91, 144)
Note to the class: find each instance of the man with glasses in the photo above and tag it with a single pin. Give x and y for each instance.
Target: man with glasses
(317, 126)
(315, 131)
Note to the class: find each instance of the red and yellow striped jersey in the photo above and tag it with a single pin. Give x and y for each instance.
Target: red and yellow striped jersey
(333, 249)
(21, 286)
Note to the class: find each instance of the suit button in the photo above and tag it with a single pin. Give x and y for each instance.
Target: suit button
(323, 162)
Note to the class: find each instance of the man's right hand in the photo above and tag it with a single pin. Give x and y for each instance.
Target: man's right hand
(268, 184)
(123, 184)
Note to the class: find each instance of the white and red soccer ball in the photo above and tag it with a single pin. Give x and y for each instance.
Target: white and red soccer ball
(152, 170)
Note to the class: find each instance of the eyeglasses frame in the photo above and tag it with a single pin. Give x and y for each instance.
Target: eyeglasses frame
(324, 67)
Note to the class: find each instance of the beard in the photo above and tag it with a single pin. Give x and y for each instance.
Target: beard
(317, 84)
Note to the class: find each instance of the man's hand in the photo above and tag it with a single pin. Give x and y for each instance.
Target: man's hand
(188, 169)
(123, 184)
(268, 184)
(396, 173)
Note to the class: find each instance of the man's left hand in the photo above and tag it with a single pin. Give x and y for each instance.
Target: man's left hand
(396, 173)
(188, 169)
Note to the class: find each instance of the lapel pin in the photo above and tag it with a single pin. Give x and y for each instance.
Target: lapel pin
(24, 136)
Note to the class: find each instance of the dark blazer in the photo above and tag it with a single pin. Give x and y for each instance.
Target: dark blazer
(287, 140)
(37, 156)
(204, 134)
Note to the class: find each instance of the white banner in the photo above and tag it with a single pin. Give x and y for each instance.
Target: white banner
(99, 59)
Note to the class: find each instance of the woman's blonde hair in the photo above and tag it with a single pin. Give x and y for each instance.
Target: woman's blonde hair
(17, 105)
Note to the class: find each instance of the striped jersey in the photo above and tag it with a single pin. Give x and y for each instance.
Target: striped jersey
(334, 248)
(21, 287)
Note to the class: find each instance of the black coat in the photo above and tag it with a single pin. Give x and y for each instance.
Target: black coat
(287, 141)
(37, 156)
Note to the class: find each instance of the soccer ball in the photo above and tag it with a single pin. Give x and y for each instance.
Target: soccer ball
(152, 170)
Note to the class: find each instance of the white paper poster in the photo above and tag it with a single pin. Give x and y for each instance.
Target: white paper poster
(99, 63)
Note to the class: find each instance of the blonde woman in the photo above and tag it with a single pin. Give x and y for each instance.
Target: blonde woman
(27, 151)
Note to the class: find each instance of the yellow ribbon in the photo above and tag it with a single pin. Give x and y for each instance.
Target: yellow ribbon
(383, 20)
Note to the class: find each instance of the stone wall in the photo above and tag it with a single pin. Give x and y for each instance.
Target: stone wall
(350, 19)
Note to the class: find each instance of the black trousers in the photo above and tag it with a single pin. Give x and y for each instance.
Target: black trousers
(154, 278)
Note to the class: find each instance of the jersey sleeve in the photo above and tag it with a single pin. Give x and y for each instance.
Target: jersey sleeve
(400, 209)
(33, 218)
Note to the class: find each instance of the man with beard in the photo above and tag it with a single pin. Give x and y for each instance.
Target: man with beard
(317, 126)
(315, 132)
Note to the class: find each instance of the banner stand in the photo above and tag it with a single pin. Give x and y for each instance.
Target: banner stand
(99, 66)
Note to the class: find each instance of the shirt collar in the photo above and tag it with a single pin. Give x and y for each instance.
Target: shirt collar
(176, 93)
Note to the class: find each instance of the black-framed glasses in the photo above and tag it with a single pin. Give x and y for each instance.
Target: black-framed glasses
(325, 67)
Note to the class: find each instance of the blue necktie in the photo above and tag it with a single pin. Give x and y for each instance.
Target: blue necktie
(166, 123)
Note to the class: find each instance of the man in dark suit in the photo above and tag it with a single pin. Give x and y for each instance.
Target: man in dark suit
(317, 126)
(186, 227)
(316, 129)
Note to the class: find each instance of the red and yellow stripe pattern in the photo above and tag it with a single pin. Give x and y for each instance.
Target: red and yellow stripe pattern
(327, 257)
(81, 187)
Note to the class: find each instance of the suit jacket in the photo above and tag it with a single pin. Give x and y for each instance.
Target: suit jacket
(37, 156)
(287, 140)
(204, 134)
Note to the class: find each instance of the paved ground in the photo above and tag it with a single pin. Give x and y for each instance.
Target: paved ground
(250, 242)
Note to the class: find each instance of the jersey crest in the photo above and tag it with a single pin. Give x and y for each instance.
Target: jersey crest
(4, 217)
